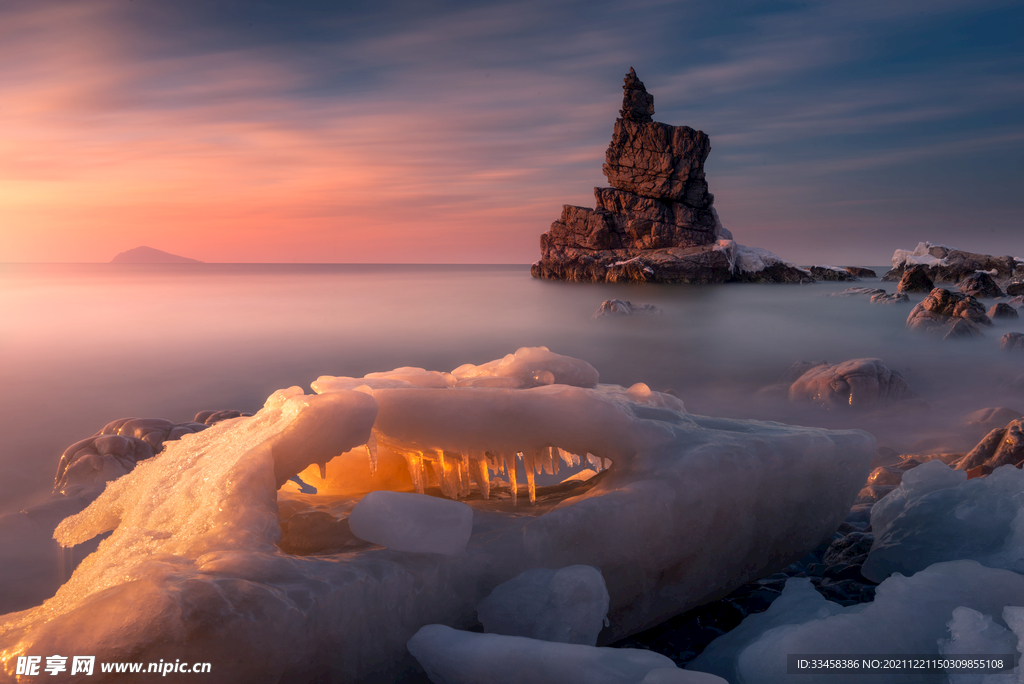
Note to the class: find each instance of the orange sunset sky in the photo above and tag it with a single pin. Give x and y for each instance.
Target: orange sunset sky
(335, 132)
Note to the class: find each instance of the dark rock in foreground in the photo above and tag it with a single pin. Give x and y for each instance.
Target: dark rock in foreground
(656, 223)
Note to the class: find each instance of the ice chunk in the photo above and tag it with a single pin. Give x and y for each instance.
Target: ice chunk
(974, 634)
(404, 521)
(916, 482)
(534, 366)
(691, 508)
(568, 605)
(908, 616)
(800, 602)
(981, 519)
(455, 657)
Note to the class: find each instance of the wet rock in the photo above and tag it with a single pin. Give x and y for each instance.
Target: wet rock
(885, 476)
(894, 298)
(857, 383)
(1014, 289)
(1002, 310)
(831, 273)
(617, 308)
(873, 493)
(858, 272)
(915, 279)
(857, 291)
(657, 222)
(1012, 342)
(852, 549)
(980, 284)
(1002, 446)
(943, 310)
(1017, 302)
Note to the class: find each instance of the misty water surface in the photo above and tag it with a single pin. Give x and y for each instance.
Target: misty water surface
(85, 344)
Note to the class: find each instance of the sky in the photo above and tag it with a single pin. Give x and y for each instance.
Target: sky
(452, 132)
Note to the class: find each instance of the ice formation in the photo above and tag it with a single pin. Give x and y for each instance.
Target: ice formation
(921, 254)
(940, 515)
(685, 509)
(909, 615)
(403, 521)
(569, 605)
(455, 657)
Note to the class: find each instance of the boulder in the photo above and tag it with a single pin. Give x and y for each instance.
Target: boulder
(1016, 302)
(657, 222)
(942, 311)
(980, 284)
(1014, 289)
(1012, 342)
(1002, 310)
(894, 298)
(915, 279)
(617, 308)
(858, 383)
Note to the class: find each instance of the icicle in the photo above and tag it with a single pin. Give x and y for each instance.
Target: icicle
(594, 461)
(607, 464)
(510, 468)
(568, 459)
(553, 459)
(371, 452)
(414, 461)
(530, 464)
(478, 468)
(546, 462)
(575, 460)
(323, 470)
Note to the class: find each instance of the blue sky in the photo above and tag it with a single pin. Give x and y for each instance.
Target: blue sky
(326, 131)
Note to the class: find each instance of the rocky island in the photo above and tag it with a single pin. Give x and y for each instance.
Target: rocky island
(657, 222)
(149, 255)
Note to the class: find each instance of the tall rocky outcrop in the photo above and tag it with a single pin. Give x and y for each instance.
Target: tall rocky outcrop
(657, 222)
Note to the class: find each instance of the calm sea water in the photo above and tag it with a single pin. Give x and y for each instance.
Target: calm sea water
(82, 345)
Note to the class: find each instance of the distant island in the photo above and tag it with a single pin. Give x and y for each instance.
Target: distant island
(148, 255)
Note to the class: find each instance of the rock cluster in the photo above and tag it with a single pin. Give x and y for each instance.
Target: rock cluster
(980, 284)
(1002, 446)
(948, 265)
(951, 314)
(656, 223)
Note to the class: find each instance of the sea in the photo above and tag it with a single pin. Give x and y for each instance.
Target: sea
(84, 344)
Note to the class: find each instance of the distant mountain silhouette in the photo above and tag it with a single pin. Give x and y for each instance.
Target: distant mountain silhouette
(148, 255)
